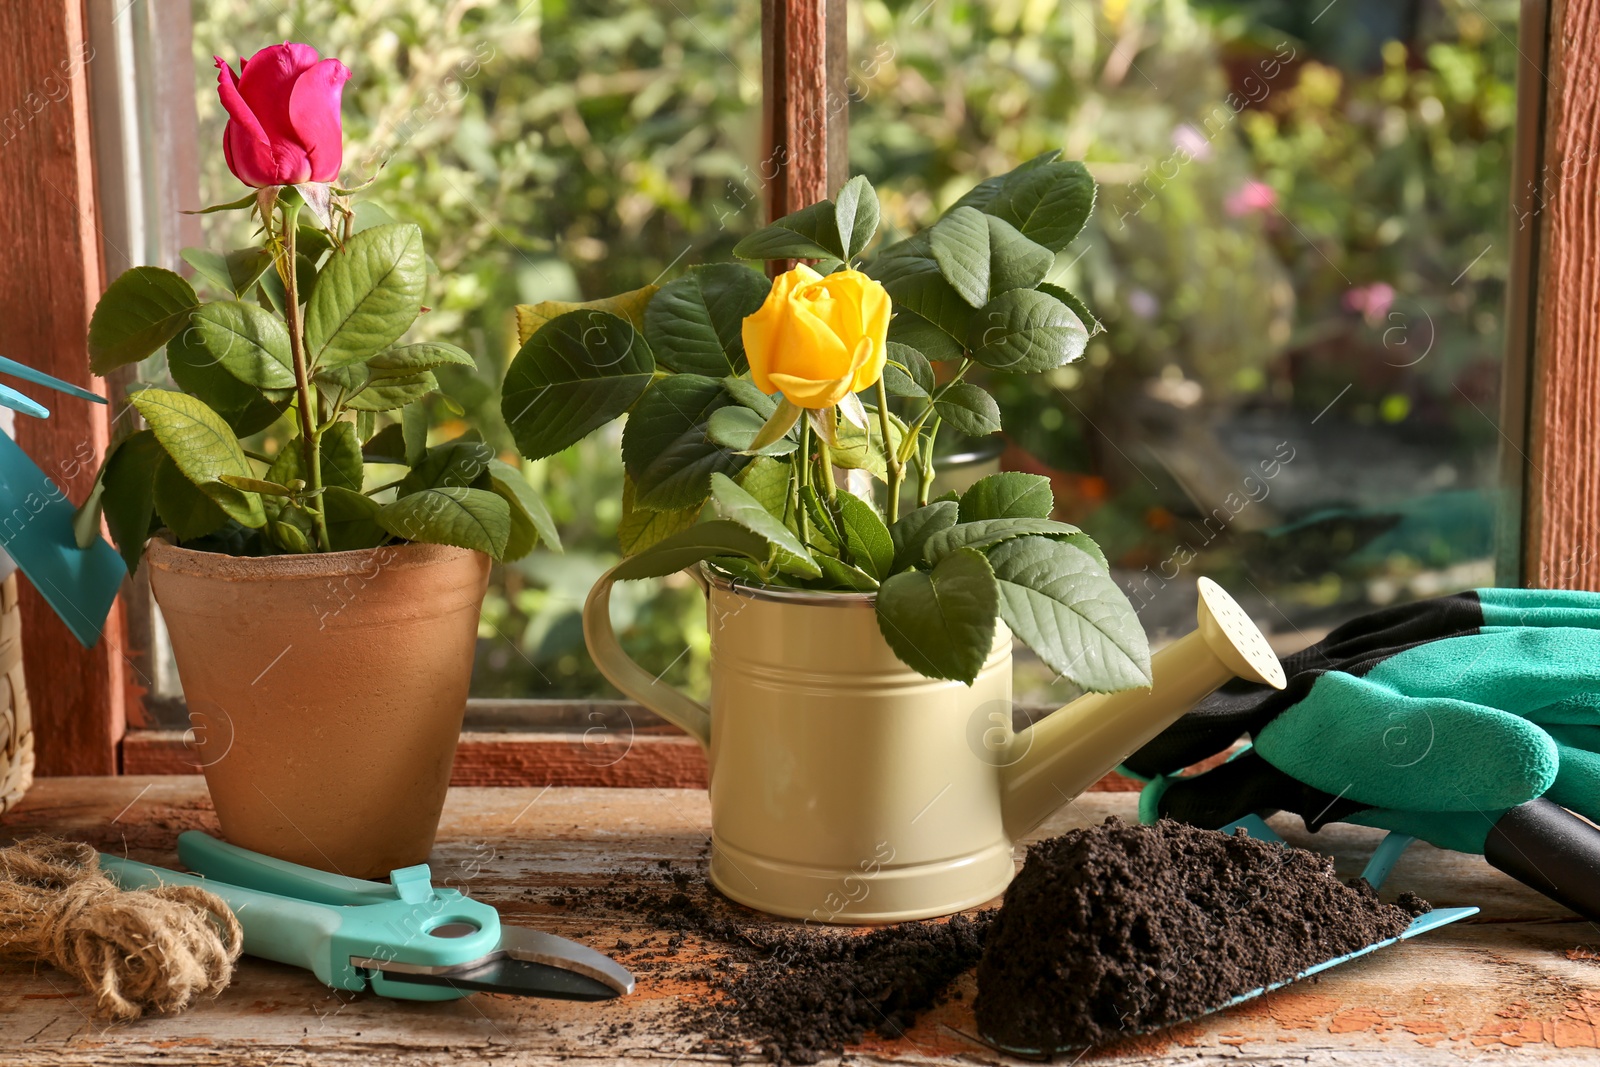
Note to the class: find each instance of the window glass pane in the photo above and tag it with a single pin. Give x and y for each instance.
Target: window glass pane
(1300, 254)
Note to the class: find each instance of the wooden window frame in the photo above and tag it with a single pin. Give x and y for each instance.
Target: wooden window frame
(65, 230)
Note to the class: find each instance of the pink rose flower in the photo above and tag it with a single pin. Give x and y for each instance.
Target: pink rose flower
(1251, 197)
(1372, 301)
(283, 116)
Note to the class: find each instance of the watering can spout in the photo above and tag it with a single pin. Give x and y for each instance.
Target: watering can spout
(1064, 753)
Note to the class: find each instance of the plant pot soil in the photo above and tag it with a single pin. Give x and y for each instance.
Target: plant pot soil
(326, 693)
(1118, 929)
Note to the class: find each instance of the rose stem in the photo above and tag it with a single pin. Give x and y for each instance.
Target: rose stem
(891, 462)
(804, 466)
(925, 470)
(309, 433)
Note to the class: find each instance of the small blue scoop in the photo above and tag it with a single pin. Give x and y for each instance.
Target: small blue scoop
(36, 523)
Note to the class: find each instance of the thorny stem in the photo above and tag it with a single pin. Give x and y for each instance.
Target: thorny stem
(893, 468)
(310, 435)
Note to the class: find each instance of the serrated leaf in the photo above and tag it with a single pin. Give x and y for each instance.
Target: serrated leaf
(577, 373)
(414, 433)
(424, 356)
(856, 213)
(1049, 203)
(367, 295)
(810, 233)
(629, 306)
(352, 520)
(459, 464)
(184, 509)
(941, 623)
(866, 536)
(844, 577)
(737, 429)
(987, 532)
(203, 447)
(1076, 304)
(959, 243)
(388, 390)
(767, 480)
(735, 504)
(1015, 262)
(640, 528)
(720, 537)
(982, 195)
(1026, 331)
(467, 518)
(665, 447)
(911, 533)
(232, 273)
(249, 342)
(694, 324)
(256, 485)
(1060, 601)
(907, 372)
(861, 447)
(128, 495)
(242, 407)
(968, 409)
(530, 519)
(745, 392)
(341, 459)
(930, 315)
(271, 284)
(1008, 495)
(137, 314)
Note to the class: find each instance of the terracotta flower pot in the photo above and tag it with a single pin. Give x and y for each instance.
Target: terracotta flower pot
(326, 693)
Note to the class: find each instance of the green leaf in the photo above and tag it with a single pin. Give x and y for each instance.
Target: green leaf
(530, 519)
(137, 314)
(367, 295)
(911, 533)
(340, 453)
(580, 371)
(424, 356)
(1026, 331)
(767, 480)
(907, 372)
(685, 548)
(203, 447)
(414, 433)
(388, 390)
(941, 623)
(968, 409)
(184, 509)
(640, 528)
(1008, 495)
(352, 520)
(960, 245)
(305, 273)
(256, 485)
(1060, 601)
(467, 518)
(290, 532)
(250, 343)
(982, 195)
(1014, 261)
(866, 536)
(930, 315)
(737, 428)
(695, 323)
(1076, 304)
(665, 449)
(629, 306)
(745, 392)
(197, 373)
(986, 532)
(1049, 203)
(810, 233)
(844, 577)
(128, 496)
(735, 504)
(457, 464)
(861, 447)
(233, 273)
(856, 212)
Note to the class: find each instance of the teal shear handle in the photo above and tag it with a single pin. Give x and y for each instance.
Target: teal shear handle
(322, 922)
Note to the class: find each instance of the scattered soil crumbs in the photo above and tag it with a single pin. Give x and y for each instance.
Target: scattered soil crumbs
(800, 993)
(1118, 929)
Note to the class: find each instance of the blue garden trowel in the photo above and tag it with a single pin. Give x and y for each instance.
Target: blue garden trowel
(36, 527)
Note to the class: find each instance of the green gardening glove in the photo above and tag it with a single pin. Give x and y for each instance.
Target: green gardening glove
(1469, 721)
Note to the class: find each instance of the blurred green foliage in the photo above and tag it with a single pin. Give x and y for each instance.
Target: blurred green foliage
(565, 149)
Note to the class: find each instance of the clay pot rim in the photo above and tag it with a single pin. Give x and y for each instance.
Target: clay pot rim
(163, 555)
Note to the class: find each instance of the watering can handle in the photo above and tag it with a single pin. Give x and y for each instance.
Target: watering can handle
(634, 681)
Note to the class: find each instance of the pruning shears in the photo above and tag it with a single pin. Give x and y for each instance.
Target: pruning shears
(406, 938)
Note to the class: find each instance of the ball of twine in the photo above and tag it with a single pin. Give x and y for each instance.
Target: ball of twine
(136, 950)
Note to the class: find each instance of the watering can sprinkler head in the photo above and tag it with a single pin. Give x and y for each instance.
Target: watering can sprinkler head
(1064, 753)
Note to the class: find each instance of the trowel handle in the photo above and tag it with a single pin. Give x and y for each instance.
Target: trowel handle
(634, 681)
(1546, 847)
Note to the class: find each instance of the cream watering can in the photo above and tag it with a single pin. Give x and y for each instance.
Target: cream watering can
(847, 788)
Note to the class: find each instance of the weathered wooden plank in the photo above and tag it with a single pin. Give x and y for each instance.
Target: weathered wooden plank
(1519, 984)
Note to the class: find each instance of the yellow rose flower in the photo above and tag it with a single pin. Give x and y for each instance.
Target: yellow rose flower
(818, 338)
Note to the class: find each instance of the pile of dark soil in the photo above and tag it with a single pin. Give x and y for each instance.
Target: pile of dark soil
(800, 993)
(1119, 929)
